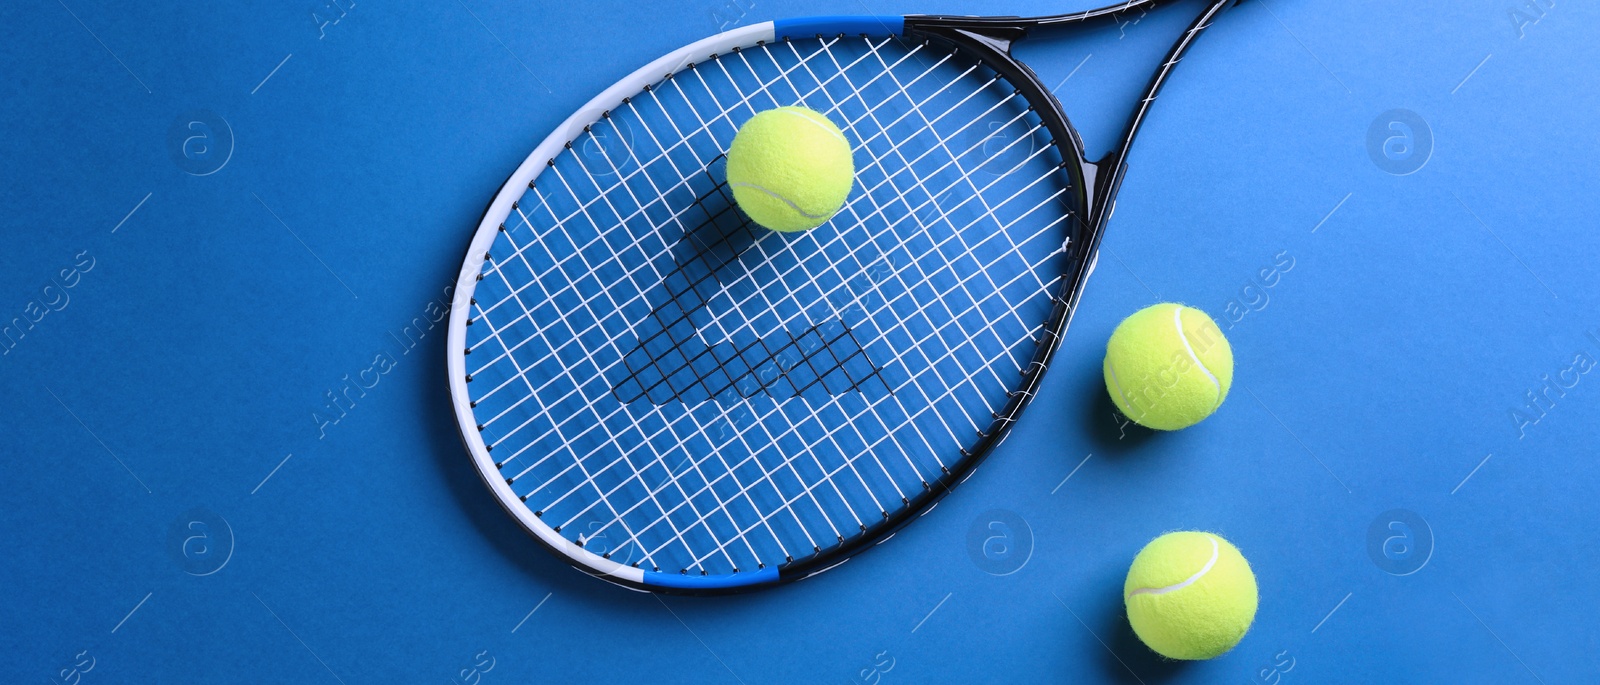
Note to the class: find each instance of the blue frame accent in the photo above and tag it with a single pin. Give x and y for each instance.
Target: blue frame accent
(807, 27)
(688, 582)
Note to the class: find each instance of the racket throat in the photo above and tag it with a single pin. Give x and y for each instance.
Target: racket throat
(997, 39)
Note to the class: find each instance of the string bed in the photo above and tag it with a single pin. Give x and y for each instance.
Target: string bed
(675, 388)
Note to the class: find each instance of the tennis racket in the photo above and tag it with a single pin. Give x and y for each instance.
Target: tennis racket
(676, 400)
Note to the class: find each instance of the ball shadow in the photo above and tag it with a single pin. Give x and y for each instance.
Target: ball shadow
(1111, 433)
(1132, 655)
(1126, 659)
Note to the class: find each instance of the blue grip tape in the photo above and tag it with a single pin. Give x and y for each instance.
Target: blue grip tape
(807, 27)
(683, 580)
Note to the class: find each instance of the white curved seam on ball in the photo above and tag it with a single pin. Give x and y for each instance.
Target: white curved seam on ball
(1118, 382)
(817, 124)
(1177, 322)
(1186, 583)
(785, 200)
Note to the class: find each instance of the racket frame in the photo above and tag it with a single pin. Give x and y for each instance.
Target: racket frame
(987, 38)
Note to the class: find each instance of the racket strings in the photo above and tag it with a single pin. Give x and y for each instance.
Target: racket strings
(849, 462)
(624, 512)
(916, 209)
(928, 124)
(920, 182)
(559, 222)
(586, 475)
(789, 502)
(682, 483)
(667, 149)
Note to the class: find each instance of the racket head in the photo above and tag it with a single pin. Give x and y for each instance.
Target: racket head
(612, 368)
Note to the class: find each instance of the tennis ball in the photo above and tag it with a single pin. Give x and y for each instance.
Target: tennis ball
(1190, 595)
(1168, 366)
(790, 168)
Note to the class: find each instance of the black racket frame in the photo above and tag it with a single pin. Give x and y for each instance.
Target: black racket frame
(1094, 184)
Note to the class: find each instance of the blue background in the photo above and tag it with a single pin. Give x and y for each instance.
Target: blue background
(185, 370)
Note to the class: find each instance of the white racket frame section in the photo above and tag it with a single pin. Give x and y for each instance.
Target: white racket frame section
(498, 212)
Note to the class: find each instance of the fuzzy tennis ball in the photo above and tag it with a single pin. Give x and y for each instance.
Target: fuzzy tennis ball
(1190, 595)
(790, 168)
(1168, 366)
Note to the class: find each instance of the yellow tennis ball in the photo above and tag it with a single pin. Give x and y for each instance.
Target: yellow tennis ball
(1168, 366)
(1190, 595)
(790, 168)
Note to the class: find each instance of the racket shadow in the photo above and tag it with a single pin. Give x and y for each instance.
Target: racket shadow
(700, 341)
(443, 440)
